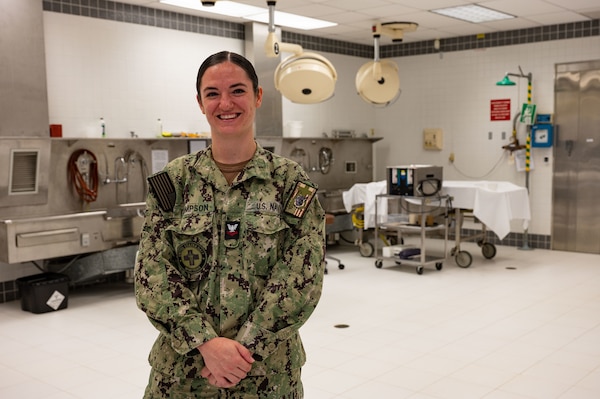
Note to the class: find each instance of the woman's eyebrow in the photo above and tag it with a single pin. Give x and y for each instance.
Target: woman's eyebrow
(233, 86)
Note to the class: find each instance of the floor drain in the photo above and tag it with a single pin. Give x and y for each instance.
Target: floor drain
(511, 268)
(341, 326)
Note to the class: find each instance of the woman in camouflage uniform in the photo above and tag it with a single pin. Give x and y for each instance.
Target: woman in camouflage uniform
(231, 255)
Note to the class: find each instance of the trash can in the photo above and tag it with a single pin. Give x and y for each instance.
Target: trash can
(45, 292)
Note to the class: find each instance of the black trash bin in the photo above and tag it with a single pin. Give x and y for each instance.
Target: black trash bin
(45, 292)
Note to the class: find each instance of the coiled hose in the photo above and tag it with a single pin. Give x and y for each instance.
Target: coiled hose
(87, 193)
(358, 217)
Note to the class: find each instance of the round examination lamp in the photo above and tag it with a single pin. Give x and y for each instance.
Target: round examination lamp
(378, 83)
(306, 78)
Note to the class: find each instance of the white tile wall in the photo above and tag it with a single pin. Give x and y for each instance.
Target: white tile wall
(133, 74)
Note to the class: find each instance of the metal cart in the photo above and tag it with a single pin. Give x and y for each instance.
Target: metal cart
(461, 257)
(423, 207)
(365, 248)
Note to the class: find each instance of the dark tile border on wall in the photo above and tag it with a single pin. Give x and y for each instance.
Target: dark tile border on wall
(517, 240)
(8, 291)
(120, 12)
(496, 39)
(130, 13)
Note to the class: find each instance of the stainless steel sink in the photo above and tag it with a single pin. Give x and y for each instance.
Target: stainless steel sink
(45, 237)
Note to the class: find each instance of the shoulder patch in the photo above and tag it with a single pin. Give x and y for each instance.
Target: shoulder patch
(300, 199)
(164, 190)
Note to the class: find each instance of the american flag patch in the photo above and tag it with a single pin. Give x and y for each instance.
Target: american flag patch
(300, 199)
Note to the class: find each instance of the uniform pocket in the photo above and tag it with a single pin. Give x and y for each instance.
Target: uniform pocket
(192, 242)
(263, 241)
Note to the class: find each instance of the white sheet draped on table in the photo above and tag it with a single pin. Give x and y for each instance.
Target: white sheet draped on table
(494, 203)
(365, 193)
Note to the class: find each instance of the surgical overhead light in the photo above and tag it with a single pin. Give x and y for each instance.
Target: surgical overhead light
(377, 82)
(303, 77)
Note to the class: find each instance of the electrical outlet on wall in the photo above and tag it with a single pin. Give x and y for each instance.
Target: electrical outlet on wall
(433, 139)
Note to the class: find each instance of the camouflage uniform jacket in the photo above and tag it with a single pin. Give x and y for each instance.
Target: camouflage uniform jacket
(244, 261)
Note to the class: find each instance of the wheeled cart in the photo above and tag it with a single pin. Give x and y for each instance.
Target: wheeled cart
(423, 211)
(461, 257)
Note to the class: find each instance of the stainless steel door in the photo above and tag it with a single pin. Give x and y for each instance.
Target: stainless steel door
(576, 181)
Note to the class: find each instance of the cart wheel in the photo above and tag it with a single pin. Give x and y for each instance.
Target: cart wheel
(463, 259)
(341, 267)
(488, 250)
(420, 270)
(378, 264)
(366, 249)
(439, 265)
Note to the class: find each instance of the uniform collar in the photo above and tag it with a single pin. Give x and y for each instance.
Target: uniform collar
(258, 167)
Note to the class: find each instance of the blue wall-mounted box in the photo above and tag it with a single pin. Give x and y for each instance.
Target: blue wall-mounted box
(542, 135)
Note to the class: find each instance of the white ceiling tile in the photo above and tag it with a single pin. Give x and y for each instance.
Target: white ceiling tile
(521, 8)
(558, 18)
(355, 17)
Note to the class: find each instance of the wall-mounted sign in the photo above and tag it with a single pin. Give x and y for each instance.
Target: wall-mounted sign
(500, 110)
(528, 114)
(542, 135)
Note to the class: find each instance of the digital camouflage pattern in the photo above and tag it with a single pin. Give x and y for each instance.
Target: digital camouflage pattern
(244, 261)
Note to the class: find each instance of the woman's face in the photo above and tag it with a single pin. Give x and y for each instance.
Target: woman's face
(228, 101)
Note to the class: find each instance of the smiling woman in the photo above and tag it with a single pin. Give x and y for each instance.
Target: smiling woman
(231, 257)
(229, 95)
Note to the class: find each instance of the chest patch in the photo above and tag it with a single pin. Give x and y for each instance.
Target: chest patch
(232, 230)
(191, 256)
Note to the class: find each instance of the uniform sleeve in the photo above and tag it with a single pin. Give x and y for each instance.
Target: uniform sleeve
(160, 289)
(293, 288)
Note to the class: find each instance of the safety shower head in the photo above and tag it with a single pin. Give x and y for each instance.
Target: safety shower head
(505, 81)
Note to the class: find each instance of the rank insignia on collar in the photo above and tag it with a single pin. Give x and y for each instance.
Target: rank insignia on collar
(300, 199)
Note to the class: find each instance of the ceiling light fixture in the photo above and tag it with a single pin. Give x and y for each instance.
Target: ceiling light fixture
(228, 8)
(473, 13)
(303, 77)
(252, 13)
(292, 20)
(377, 82)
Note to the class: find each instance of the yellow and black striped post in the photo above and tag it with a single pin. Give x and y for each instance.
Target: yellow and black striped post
(528, 140)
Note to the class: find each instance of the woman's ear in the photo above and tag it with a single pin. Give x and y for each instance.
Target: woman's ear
(200, 103)
(259, 97)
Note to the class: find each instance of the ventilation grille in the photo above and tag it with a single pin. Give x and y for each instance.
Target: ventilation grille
(24, 166)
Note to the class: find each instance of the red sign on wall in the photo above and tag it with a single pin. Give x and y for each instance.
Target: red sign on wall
(500, 110)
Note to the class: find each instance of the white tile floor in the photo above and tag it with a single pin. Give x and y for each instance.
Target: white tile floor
(532, 332)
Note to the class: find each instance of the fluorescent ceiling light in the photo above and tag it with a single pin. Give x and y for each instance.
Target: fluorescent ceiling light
(259, 14)
(473, 13)
(291, 20)
(228, 8)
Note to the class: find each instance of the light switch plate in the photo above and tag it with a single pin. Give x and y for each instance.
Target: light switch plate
(433, 139)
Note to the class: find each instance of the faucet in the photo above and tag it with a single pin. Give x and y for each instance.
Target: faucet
(121, 161)
(119, 165)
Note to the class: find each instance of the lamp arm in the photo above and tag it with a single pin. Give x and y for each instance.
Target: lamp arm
(273, 47)
(377, 74)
